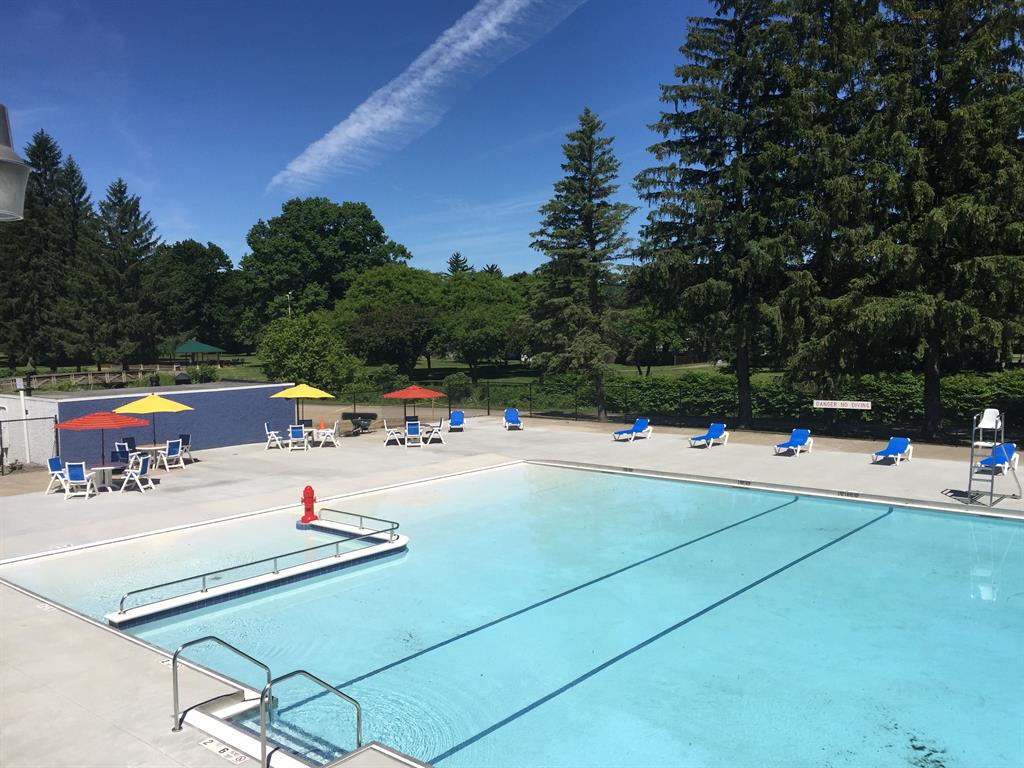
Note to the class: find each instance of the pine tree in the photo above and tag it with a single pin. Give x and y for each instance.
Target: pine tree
(582, 233)
(84, 304)
(722, 195)
(492, 269)
(32, 252)
(458, 263)
(954, 95)
(918, 189)
(128, 240)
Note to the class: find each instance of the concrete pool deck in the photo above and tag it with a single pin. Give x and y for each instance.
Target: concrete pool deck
(73, 693)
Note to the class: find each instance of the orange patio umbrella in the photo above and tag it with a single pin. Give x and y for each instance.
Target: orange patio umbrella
(102, 420)
(414, 392)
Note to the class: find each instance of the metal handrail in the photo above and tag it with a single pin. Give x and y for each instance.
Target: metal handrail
(203, 576)
(392, 525)
(223, 644)
(265, 697)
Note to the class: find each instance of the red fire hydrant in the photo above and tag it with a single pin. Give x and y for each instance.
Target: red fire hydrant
(308, 500)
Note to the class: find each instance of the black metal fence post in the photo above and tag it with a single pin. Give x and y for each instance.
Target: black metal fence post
(488, 386)
(576, 402)
(530, 396)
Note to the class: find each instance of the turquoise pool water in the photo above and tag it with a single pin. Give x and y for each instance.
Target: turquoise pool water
(555, 617)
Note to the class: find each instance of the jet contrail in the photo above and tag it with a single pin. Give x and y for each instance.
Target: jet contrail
(488, 34)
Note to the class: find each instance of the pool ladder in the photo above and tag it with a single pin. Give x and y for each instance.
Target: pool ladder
(266, 710)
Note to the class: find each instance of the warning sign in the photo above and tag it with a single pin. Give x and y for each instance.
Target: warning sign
(852, 405)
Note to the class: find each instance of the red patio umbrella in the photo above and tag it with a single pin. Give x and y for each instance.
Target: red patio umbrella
(414, 392)
(102, 420)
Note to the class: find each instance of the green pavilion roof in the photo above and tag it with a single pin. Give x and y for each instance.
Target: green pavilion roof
(193, 347)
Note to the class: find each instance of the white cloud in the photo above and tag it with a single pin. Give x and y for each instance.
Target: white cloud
(488, 34)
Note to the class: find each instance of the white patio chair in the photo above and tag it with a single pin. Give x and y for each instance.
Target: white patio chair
(327, 435)
(413, 434)
(57, 475)
(171, 455)
(273, 436)
(435, 430)
(297, 438)
(79, 482)
(138, 475)
(393, 433)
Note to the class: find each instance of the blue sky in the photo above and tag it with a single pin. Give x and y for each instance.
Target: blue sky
(216, 112)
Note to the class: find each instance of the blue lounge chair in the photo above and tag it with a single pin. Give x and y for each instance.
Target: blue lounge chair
(457, 422)
(1004, 456)
(57, 475)
(800, 440)
(899, 449)
(641, 428)
(716, 434)
(511, 419)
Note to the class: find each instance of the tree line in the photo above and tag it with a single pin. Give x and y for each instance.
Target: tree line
(835, 188)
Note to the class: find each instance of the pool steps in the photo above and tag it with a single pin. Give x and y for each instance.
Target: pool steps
(388, 544)
(214, 718)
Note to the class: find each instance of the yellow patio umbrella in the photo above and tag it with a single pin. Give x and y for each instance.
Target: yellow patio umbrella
(301, 391)
(153, 404)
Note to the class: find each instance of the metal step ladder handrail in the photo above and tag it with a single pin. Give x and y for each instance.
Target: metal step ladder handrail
(390, 530)
(265, 698)
(207, 639)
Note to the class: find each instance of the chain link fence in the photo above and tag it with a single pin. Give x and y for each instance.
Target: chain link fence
(685, 405)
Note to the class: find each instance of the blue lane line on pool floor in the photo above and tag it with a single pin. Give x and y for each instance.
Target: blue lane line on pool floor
(539, 603)
(652, 639)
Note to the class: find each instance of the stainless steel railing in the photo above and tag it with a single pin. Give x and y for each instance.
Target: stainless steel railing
(265, 713)
(203, 578)
(224, 644)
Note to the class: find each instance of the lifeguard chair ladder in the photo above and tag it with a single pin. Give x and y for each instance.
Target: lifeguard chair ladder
(988, 430)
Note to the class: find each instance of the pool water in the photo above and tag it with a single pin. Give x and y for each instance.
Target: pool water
(555, 617)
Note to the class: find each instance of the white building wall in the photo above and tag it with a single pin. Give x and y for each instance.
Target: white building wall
(42, 442)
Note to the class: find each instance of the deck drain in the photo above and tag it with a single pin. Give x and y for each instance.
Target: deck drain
(229, 754)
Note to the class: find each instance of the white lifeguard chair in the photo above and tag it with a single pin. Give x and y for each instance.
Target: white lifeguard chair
(989, 430)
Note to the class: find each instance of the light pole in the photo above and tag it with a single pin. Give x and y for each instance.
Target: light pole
(13, 174)
(289, 303)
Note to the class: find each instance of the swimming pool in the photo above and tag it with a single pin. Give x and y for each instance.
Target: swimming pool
(559, 617)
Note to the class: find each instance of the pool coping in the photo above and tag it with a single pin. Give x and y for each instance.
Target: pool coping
(824, 493)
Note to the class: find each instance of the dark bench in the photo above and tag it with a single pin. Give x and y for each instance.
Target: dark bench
(361, 422)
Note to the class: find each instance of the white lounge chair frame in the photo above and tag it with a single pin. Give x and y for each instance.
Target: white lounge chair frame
(722, 439)
(393, 433)
(171, 460)
(327, 435)
(631, 436)
(415, 440)
(907, 455)
(295, 443)
(509, 425)
(87, 486)
(273, 437)
(435, 430)
(805, 448)
(138, 475)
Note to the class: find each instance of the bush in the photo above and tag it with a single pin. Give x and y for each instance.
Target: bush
(458, 387)
(305, 349)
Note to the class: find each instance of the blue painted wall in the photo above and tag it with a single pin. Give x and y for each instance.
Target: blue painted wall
(221, 417)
